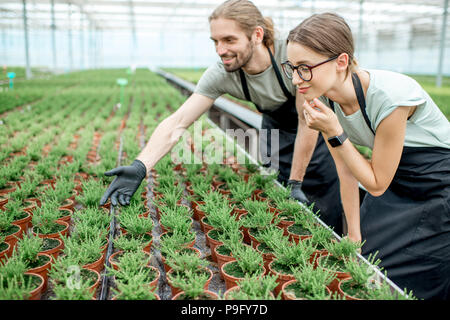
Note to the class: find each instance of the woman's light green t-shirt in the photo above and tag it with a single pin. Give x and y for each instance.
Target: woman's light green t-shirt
(427, 127)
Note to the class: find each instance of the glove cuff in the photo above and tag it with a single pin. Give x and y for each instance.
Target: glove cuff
(141, 167)
(295, 182)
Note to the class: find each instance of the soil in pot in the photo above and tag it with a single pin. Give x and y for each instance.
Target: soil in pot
(114, 259)
(4, 251)
(211, 238)
(291, 290)
(146, 239)
(223, 255)
(298, 232)
(283, 274)
(205, 226)
(52, 246)
(188, 250)
(267, 255)
(12, 234)
(188, 243)
(198, 214)
(228, 295)
(23, 221)
(176, 290)
(232, 273)
(41, 267)
(97, 265)
(352, 290)
(37, 283)
(59, 228)
(152, 278)
(207, 295)
(286, 221)
(336, 265)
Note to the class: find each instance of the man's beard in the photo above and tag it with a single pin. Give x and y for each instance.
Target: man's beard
(247, 55)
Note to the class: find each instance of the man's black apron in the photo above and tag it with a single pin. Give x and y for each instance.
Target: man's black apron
(409, 225)
(321, 182)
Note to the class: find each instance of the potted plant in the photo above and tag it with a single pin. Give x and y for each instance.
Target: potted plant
(133, 290)
(63, 194)
(137, 227)
(224, 251)
(338, 253)
(132, 264)
(362, 280)
(193, 287)
(309, 284)
(186, 267)
(287, 209)
(66, 271)
(288, 255)
(137, 208)
(170, 245)
(88, 252)
(264, 236)
(97, 218)
(211, 201)
(184, 238)
(16, 283)
(28, 249)
(258, 218)
(175, 218)
(92, 192)
(25, 194)
(223, 223)
(320, 237)
(241, 191)
(302, 226)
(199, 190)
(8, 230)
(80, 291)
(46, 224)
(248, 262)
(4, 249)
(253, 288)
(170, 196)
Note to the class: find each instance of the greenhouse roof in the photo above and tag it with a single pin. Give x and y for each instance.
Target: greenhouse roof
(157, 16)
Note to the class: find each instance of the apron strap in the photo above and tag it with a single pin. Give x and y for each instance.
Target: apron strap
(245, 89)
(361, 100)
(277, 73)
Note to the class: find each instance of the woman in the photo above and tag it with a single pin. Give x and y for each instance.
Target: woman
(406, 214)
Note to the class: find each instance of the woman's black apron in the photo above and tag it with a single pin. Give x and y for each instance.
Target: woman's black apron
(321, 182)
(409, 225)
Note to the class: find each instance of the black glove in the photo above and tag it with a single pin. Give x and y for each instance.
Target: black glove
(296, 191)
(125, 184)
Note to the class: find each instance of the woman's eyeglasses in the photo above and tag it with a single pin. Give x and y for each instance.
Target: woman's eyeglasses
(303, 70)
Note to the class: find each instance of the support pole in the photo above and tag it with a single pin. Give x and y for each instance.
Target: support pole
(360, 29)
(133, 48)
(81, 40)
(27, 51)
(53, 27)
(442, 46)
(70, 38)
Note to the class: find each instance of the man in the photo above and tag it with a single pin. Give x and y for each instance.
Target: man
(249, 69)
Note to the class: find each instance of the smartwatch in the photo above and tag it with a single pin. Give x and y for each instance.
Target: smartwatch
(337, 141)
